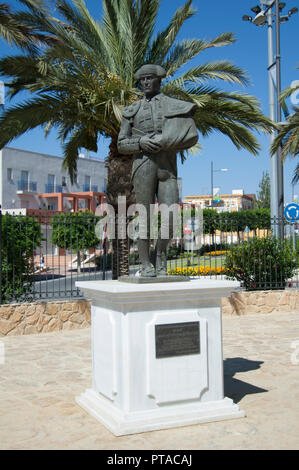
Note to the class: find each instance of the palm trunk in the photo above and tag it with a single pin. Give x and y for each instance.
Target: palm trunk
(119, 184)
(124, 257)
(120, 264)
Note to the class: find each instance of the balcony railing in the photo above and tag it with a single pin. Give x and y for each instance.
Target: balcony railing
(28, 186)
(88, 187)
(53, 188)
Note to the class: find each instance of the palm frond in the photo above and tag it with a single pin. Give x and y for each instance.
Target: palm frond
(14, 31)
(288, 91)
(296, 175)
(186, 50)
(79, 138)
(288, 137)
(220, 70)
(165, 39)
(30, 114)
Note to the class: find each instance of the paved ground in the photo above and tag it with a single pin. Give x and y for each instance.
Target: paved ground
(42, 374)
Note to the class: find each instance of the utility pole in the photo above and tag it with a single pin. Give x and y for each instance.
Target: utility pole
(212, 190)
(264, 15)
(274, 184)
(278, 119)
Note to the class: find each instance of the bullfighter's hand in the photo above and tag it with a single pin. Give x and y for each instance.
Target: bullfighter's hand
(150, 143)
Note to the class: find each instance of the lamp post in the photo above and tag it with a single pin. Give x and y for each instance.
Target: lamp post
(263, 16)
(212, 184)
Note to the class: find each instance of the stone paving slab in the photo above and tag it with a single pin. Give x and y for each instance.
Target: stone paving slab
(40, 376)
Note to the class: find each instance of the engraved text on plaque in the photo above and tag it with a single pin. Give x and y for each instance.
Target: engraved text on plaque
(177, 339)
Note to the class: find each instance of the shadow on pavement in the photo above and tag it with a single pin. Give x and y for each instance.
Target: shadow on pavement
(234, 388)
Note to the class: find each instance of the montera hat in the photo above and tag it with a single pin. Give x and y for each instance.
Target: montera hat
(150, 69)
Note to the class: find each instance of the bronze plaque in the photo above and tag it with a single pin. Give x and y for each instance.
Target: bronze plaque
(177, 339)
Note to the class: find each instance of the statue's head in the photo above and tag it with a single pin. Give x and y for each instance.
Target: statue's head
(150, 77)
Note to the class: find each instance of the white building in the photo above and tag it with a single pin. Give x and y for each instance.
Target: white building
(227, 202)
(26, 177)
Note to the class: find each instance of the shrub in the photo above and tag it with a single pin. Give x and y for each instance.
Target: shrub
(261, 263)
(20, 235)
(174, 252)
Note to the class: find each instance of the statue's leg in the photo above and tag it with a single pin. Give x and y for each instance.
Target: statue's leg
(145, 183)
(167, 194)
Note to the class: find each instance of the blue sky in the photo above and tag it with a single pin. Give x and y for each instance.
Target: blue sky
(250, 53)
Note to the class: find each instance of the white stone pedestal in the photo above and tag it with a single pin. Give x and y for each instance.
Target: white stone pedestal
(147, 376)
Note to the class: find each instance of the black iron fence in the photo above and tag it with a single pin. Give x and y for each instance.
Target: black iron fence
(43, 253)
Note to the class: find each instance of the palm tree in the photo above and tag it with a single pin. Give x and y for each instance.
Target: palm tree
(80, 81)
(288, 136)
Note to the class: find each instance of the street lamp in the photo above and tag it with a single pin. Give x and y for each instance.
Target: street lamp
(264, 15)
(212, 184)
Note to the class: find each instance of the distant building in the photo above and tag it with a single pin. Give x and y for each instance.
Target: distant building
(228, 202)
(31, 180)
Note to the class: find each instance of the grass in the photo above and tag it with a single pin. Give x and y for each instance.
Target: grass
(205, 261)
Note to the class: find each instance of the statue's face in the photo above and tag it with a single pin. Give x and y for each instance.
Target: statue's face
(150, 85)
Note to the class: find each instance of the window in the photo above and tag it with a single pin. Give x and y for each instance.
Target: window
(63, 181)
(9, 174)
(87, 183)
(51, 180)
(24, 184)
(24, 176)
(50, 187)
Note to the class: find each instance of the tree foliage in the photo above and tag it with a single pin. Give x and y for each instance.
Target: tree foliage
(75, 231)
(263, 197)
(288, 136)
(236, 221)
